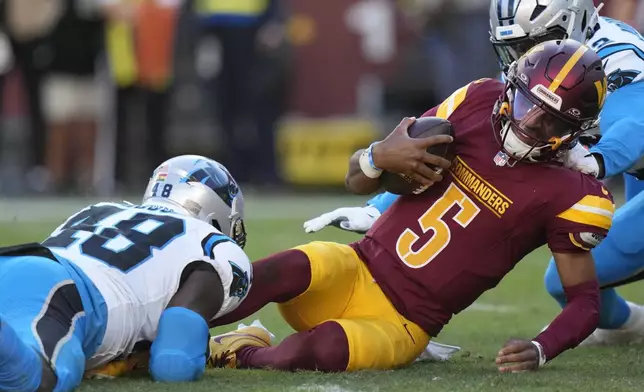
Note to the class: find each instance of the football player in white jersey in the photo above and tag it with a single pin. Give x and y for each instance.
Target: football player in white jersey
(515, 27)
(115, 274)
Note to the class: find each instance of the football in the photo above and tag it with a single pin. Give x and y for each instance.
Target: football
(401, 184)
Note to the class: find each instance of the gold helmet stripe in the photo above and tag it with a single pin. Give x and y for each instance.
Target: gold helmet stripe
(565, 70)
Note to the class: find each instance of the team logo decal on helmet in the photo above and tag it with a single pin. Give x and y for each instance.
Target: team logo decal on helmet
(552, 94)
(200, 187)
(216, 178)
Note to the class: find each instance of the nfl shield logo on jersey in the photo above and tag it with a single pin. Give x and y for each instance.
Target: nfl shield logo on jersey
(501, 158)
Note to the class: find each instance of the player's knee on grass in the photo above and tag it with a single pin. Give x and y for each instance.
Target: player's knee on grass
(178, 353)
(176, 366)
(553, 283)
(324, 348)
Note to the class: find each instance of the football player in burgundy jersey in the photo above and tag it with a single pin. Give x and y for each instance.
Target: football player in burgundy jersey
(377, 302)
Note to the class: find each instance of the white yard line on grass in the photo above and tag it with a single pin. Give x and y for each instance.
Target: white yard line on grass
(321, 388)
(483, 307)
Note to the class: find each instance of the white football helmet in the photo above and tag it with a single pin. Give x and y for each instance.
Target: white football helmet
(518, 25)
(202, 188)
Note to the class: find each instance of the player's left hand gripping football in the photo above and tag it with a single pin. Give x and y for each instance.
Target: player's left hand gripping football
(356, 219)
(517, 356)
(399, 153)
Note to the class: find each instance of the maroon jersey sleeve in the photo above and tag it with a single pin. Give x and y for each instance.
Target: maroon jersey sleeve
(475, 92)
(580, 219)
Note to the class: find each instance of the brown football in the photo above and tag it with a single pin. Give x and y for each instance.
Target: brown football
(401, 184)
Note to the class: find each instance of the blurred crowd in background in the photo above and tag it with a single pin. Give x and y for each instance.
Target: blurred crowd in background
(96, 93)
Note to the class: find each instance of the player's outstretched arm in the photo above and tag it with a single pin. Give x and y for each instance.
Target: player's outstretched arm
(576, 322)
(397, 153)
(356, 219)
(621, 124)
(179, 352)
(580, 316)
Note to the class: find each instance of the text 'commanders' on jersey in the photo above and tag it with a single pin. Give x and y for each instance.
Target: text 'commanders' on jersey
(434, 254)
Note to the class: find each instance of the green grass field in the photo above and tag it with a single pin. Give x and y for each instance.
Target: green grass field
(519, 307)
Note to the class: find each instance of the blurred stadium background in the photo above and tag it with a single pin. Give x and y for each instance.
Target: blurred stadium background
(96, 93)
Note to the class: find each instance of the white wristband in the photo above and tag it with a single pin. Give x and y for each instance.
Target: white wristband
(542, 356)
(366, 166)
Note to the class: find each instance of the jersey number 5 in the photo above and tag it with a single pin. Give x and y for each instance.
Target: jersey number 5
(433, 220)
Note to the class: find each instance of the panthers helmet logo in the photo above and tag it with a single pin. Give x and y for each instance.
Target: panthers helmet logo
(216, 178)
(241, 281)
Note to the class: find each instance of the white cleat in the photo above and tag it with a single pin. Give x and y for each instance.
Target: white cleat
(632, 332)
(437, 352)
(257, 324)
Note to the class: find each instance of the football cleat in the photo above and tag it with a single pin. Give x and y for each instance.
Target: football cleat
(632, 332)
(437, 352)
(224, 348)
(120, 367)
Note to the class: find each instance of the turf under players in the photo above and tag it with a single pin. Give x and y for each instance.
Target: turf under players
(376, 303)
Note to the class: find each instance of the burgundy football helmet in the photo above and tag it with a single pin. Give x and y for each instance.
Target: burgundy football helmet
(552, 93)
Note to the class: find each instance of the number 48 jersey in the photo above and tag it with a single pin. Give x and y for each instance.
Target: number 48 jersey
(137, 256)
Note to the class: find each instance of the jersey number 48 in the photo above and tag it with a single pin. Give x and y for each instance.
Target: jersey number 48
(124, 243)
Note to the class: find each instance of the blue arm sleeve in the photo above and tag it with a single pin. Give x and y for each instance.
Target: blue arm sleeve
(383, 201)
(622, 127)
(178, 353)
